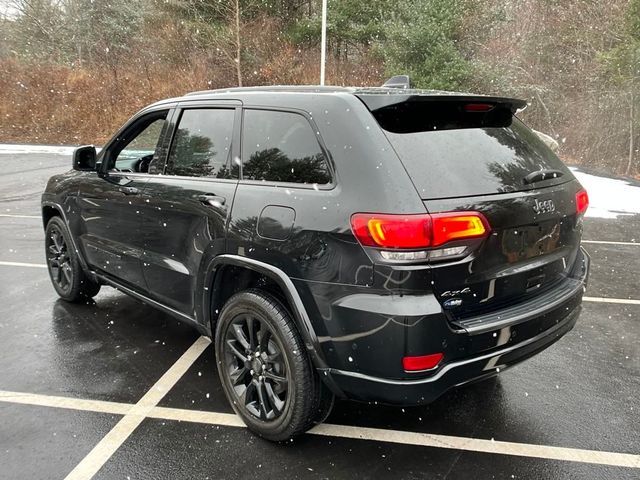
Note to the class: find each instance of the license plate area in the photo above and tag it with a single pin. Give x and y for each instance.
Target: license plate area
(530, 241)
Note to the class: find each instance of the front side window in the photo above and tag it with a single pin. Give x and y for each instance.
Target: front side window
(201, 146)
(134, 150)
(281, 147)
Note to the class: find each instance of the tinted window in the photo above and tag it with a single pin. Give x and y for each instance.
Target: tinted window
(201, 146)
(475, 161)
(281, 147)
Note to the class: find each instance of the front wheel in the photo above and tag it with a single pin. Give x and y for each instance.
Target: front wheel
(65, 271)
(264, 368)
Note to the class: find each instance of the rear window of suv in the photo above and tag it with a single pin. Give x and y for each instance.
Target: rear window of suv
(458, 162)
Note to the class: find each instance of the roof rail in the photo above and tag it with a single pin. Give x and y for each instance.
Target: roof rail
(398, 81)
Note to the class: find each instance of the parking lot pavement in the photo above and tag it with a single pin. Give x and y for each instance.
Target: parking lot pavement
(38, 442)
(70, 373)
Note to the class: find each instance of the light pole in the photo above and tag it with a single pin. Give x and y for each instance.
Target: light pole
(323, 46)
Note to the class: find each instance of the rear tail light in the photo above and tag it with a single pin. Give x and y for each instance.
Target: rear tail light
(417, 231)
(582, 202)
(392, 231)
(422, 363)
(457, 225)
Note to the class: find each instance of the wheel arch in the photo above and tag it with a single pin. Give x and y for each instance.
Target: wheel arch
(273, 276)
(52, 209)
(48, 212)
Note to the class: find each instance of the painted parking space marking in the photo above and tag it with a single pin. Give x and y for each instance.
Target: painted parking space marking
(137, 414)
(100, 454)
(40, 400)
(198, 416)
(6, 215)
(606, 242)
(480, 445)
(22, 264)
(627, 301)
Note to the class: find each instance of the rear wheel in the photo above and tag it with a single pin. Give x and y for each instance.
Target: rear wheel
(265, 370)
(67, 276)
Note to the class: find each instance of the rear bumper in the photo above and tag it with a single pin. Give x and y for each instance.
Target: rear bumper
(418, 392)
(540, 330)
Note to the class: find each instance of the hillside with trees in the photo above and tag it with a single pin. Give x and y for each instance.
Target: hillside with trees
(72, 71)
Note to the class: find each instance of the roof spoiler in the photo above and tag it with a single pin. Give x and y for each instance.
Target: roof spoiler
(419, 111)
(375, 100)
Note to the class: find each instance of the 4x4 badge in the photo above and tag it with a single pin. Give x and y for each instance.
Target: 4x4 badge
(546, 206)
(453, 293)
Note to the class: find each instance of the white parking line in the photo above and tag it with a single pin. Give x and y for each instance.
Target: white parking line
(6, 215)
(328, 430)
(99, 406)
(480, 445)
(636, 244)
(98, 456)
(627, 301)
(21, 264)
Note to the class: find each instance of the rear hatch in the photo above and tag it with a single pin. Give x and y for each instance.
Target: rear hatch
(466, 153)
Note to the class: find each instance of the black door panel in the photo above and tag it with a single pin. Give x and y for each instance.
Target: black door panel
(179, 228)
(112, 203)
(110, 234)
(187, 209)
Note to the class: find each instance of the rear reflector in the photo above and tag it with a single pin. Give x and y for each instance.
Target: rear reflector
(424, 362)
(417, 231)
(582, 202)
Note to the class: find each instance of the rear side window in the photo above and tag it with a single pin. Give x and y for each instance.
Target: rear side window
(201, 146)
(460, 161)
(281, 147)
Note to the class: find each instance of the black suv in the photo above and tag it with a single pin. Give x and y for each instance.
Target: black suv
(376, 244)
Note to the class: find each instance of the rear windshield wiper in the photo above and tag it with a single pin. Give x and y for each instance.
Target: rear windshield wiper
(540, 175)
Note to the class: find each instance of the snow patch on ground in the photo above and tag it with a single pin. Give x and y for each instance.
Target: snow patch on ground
(609, 197)
(9, 149)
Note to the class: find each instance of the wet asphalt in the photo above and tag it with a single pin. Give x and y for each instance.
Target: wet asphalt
(583, 392)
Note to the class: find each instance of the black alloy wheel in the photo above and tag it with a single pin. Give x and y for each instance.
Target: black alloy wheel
(65, 271)
(264, 368)
(256, 366)
(58, 259)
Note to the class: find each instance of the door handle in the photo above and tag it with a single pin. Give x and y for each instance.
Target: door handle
(129, 190)
(211, 199)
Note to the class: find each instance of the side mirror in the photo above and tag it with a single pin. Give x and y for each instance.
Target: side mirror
(84, 158)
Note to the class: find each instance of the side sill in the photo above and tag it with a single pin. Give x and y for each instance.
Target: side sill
(160, 306)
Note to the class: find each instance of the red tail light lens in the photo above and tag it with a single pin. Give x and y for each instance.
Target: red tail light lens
(392, 231)
(424, 362)
(453, 226)
(417, 231)
(582, 202)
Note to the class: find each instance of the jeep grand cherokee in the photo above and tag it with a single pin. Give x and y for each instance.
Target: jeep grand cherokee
(377, 244)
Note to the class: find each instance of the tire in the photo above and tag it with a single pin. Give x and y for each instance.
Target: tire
(264, 369)
(65, 271)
